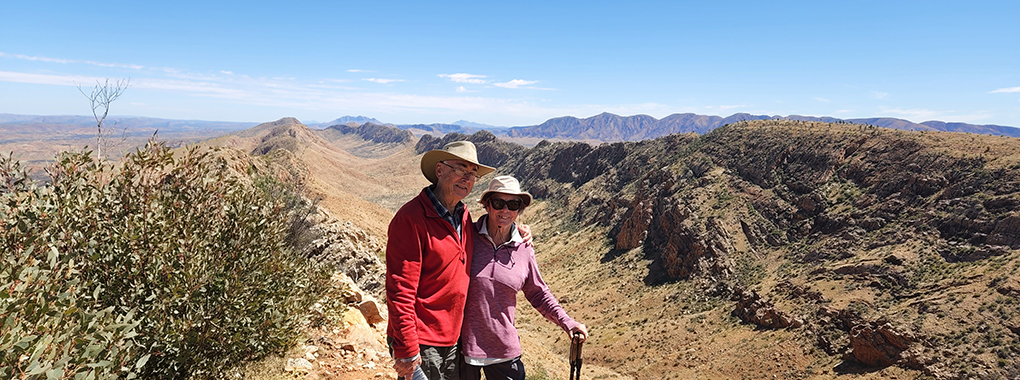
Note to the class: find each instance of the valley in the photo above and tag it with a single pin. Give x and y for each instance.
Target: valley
(788, 248)
(763, 249)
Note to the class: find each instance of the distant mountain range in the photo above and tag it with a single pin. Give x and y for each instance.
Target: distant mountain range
(347, 119)
(610, 127)
(133, 125)
(471, 124)
(602, 127)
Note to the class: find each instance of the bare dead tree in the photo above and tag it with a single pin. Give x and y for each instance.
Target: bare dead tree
(102, 95)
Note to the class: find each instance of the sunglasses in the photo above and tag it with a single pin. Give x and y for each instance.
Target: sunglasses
(512, 205)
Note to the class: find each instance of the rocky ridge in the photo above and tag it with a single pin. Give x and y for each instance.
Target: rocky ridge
(611, 128)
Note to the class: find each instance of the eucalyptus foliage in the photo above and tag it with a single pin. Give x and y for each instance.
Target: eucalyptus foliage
(164, 267)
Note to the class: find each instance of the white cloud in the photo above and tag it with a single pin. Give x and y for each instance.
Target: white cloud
(516, 83)
(1007, 89)
(911, 113)
(30, 58)
(724, 108)
(322, 94)
(465, 78)
(824, 100)
(64, 80)
(66, 61)
(462, 89)
(879, 94)
(358, 71)
(921, 114)
(332, 87)
(383, 80)
(227, 72)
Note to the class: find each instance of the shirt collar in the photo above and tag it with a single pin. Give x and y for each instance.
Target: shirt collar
(442, 210)
(515, 236)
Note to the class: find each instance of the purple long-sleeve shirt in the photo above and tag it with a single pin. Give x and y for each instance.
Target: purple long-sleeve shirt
(497, 274)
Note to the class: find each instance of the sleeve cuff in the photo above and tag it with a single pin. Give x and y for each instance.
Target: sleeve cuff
(410, 359)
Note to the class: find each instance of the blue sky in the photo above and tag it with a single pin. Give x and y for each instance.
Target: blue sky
(516, 63)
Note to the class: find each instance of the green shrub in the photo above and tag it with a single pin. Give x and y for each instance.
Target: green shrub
(191, 264)
(49, 328)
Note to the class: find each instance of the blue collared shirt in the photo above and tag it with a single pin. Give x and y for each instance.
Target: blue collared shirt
(454, 217)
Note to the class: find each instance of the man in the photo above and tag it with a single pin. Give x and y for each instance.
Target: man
(426, 266)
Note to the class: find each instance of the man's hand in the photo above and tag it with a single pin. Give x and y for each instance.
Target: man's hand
(406, 369)
(525, 231)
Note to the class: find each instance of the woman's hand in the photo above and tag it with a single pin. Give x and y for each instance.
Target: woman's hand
(580, 328)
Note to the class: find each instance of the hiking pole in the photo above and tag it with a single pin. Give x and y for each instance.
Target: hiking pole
(575, 356)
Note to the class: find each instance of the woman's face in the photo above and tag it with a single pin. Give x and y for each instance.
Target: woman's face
(503, 217)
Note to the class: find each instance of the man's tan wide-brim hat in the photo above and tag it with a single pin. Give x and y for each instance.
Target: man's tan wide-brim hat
(457, 150)
(505, 184)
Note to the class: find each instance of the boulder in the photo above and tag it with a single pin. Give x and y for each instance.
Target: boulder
(353, 317)
(299, 365)
(752, 308)
(878, 345)
(344, 281)
(370, 310)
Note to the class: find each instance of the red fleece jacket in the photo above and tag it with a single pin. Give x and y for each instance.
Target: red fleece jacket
(426, 277)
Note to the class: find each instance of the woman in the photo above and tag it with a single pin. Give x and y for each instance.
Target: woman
(501, 266)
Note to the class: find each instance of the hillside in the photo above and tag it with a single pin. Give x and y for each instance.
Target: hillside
(364, 191)
(608, 127)
(368, 140)
(786, 248)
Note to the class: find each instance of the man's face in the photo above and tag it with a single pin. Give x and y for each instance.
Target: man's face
(458, 176)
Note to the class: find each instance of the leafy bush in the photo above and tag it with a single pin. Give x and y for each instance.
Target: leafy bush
(166, 266)
(49, 329)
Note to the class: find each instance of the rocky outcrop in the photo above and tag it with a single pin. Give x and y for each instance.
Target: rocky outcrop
(281, 137)
(753, 309)
(874, 344)
(353, 348)
(878, 276)
(633, 229)
(1006, 232)
(686, 245)
(351, 250)
(380, 134)
(878, 344)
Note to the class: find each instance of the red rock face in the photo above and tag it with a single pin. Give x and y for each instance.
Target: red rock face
(878, 345)
(685, 246)
(634, 228)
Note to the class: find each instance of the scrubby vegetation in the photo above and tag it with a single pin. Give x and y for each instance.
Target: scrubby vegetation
(167, 266)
